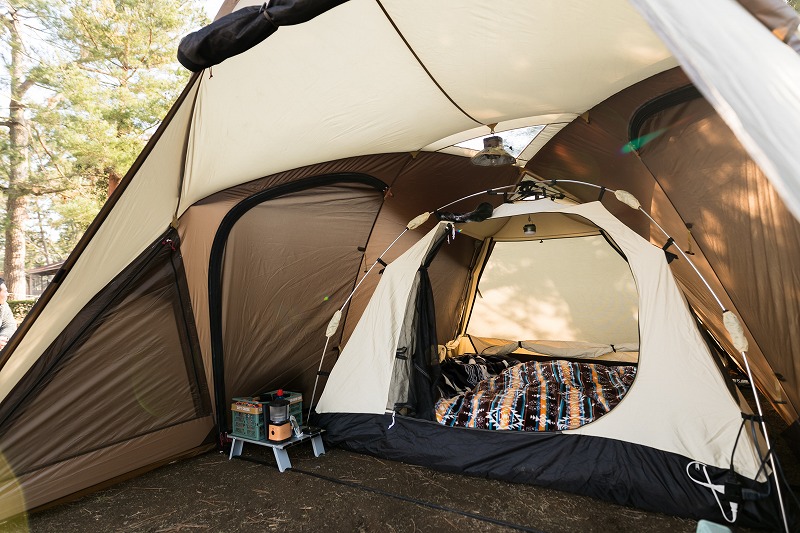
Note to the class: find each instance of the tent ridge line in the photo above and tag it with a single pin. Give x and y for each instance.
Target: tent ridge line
(421, 64)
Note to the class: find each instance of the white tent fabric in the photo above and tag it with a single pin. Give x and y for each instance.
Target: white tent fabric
(390, 78)
(389, 102)
(577, 349)
(577, 289)
(676, 374)
(359, 383)
(752, 83)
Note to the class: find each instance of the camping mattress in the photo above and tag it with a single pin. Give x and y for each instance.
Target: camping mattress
(537, 396)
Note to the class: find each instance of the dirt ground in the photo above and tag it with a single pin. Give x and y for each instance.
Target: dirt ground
(339, 491)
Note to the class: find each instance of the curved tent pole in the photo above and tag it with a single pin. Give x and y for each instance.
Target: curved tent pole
(731, 322)
(735, 330)
(333, 325)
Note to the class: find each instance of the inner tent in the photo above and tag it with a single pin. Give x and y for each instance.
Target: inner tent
(532, 335)
(583, 412)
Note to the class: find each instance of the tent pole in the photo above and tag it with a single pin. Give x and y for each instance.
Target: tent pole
(370, 270)
(743, 353)
(328, 337)
(476, 194)
(766, 439)
(316, 380)
(689, 261)
(634, 204)
(413, 224)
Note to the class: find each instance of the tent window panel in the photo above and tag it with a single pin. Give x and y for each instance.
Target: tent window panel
(289, 264)
(127, 375)
(576, 289)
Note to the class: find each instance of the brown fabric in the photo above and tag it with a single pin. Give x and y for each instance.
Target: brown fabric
(742, 227)
(78, 473)
(709, 181)
(448, 274)
(290, 263)
(426, 181)
(778, 17)
(120, 388)
(198, 226)
(122, 369)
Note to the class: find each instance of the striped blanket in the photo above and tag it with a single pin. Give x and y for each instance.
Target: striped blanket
(537, 396)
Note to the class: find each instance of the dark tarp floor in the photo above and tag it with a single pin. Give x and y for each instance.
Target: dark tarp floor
(211, 493)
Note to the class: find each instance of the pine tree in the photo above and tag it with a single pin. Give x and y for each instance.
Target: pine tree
(104, 73)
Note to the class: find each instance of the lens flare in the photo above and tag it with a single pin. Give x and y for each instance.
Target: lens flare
(12, 500)
(639, 142)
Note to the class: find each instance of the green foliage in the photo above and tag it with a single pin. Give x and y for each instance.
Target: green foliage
(20, 308)
(71, 219)
(105, 74)
(117, 79)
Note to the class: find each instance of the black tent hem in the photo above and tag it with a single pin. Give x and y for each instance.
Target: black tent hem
(620, 472)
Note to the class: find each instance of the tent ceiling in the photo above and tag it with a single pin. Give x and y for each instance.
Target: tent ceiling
(373, 90)
(557, 57)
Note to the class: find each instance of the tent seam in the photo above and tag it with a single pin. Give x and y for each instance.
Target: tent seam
(421, 64)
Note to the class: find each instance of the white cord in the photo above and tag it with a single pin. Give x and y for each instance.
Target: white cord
(714, 490)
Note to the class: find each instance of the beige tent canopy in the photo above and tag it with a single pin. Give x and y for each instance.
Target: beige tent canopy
(283, 173)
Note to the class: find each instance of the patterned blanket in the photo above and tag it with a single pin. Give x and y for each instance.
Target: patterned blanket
(535, 396)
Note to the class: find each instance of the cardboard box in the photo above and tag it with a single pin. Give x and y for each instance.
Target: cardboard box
(250, 408)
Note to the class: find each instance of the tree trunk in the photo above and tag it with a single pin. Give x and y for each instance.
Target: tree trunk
(14, 265)
(16, 204)
(42, 234)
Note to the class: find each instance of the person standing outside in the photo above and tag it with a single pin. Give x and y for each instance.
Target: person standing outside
(8, 324)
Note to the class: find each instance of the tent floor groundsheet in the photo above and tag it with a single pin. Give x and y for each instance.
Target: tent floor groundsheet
(616, 471)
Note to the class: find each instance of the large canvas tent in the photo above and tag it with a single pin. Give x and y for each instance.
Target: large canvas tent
(282, 173)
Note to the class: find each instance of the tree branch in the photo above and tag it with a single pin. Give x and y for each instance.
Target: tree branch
(47, 151)
(25, 85)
